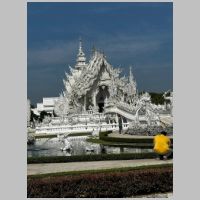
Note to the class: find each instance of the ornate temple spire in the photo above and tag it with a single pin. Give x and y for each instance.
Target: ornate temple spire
(80, 48)
(131, 78)
(81, 59)
(93, 50)
(132, 82)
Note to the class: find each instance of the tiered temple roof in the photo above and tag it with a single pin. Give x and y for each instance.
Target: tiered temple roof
(87, 79)
(91, 73)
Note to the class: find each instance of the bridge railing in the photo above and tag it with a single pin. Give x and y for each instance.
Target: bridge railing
(78, 128)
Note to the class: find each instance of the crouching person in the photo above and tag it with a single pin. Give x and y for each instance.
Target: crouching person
(162, 146)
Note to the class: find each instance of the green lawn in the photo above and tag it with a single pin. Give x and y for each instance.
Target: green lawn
(120, 144)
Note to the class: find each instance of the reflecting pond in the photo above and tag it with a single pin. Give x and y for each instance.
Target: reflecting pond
(52, 147)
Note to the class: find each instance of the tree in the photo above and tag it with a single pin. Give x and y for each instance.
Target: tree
(33, 116)
(157, 98)
(43, 114)
(32, 106)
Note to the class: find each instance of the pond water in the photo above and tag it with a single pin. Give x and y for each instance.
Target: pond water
(52, 147)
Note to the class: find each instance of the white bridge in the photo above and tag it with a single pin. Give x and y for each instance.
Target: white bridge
(114, 109)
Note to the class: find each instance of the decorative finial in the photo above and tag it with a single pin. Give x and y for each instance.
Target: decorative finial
(80, 45)
(131, 78)
(81, 59)
(130, 69)
(93, 49)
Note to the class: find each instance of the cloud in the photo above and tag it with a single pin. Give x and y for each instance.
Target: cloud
(51, 53)
(121, 49)
(131, 49)
(134, 43)
(50, 59)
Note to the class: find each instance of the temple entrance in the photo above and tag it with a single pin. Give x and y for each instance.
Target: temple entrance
(101, 96)
(101, 107)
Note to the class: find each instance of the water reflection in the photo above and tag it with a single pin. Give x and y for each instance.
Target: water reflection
(52, 147)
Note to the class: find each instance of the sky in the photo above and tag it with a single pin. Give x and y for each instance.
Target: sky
(130, 34)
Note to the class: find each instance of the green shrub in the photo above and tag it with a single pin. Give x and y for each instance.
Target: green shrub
(94, 157)
(121, 144)
(45, 136)
(157, 98)
(103, 185)
(104, 136)
(79, 134)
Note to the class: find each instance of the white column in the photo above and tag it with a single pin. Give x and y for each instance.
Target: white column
(85, 102)
(116, 117)
(123, 97)
(94, 99)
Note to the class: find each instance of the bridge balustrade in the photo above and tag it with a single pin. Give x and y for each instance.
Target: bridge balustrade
(79, 128)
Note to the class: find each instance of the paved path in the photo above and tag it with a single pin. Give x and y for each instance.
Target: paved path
(94, 165)
(156, 195)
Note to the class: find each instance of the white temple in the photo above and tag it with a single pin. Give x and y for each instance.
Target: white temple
(90, 85)
(96, 94)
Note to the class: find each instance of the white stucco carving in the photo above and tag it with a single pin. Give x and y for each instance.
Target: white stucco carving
(96, 89)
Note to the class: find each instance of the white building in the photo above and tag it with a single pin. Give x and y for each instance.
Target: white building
(47, 105)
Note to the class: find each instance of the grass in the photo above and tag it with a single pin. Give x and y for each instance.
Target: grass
(79, 134)
(124, 142)
(45, 136)
(75, 173)
(120, 144)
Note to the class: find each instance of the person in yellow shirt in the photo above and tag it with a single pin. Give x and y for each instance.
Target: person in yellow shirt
(162, 145)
